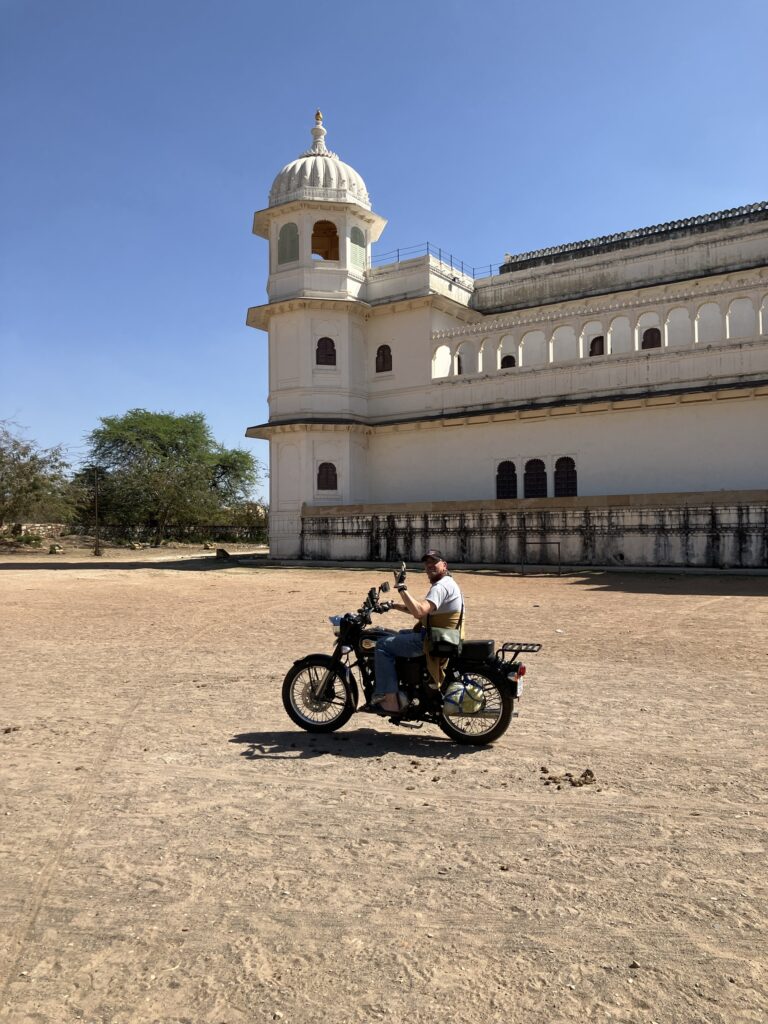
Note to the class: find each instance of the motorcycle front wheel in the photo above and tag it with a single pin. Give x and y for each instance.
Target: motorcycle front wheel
(484, 724)
(316, 697)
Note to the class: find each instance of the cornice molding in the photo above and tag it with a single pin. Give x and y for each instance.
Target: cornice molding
(259, 316)
(525, 410)
(266, 431)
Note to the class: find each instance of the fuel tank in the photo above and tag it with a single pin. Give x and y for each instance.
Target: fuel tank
(370, 636)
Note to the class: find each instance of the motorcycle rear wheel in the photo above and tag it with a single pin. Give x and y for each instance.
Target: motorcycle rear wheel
(487, 724)
(316, 697)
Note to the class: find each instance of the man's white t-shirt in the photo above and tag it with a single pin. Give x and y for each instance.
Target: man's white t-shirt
(445, 595)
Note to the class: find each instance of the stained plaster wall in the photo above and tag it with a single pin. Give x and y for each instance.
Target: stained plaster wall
(716, 531)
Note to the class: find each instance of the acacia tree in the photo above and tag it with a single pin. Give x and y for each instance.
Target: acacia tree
(33, 480)
(157, 468)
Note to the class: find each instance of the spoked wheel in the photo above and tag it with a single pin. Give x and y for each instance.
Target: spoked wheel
(483, 717)
(316, 696)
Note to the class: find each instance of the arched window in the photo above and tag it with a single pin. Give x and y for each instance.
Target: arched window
(325, 353)
(709, 324)
(288, 244)
(506, 363)
(506, 480)
(325, 240)
(459, 364)
(383, 359)
(535, 479)
(651, 338)
(565, 478)
(326, 477)
(357, 247)
(534, 349)
(563, 345)
(597, 346)
(441, 362)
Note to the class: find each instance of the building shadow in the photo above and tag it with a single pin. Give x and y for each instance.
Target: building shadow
(686, 584)
(363, 742)
(743, 583)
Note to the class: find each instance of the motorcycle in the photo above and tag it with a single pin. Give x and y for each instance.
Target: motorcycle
(475, 704)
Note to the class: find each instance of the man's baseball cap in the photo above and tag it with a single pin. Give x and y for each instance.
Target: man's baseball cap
(433, 556)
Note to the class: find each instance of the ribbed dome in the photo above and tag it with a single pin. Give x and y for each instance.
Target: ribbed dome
(319, 174)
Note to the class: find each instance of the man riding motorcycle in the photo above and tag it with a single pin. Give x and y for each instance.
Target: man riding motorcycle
(443, 605)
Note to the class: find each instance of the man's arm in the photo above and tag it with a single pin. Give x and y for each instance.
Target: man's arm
(418, 609)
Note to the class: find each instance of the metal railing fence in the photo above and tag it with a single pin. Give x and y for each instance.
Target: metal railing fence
(411, 252)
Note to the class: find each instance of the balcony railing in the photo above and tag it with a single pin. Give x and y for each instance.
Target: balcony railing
(411, 252)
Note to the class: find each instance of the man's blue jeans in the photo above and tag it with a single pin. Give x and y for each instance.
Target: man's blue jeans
(405, 644)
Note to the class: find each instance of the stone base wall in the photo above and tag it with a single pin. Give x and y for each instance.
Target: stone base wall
(34, 529)
(730, 530)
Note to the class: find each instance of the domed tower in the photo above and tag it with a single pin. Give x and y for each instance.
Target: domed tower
(320, 227)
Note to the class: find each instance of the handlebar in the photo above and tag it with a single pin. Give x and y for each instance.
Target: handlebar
(373, 604)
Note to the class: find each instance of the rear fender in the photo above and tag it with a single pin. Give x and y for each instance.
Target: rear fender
(337, 666)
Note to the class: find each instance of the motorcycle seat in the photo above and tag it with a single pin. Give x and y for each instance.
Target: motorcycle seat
(477, 650)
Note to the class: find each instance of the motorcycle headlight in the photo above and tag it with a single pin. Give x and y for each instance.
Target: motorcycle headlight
(335, 621)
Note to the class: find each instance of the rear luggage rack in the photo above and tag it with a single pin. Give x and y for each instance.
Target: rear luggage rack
(514, 647)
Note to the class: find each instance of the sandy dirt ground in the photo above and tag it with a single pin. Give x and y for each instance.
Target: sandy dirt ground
(173, 849)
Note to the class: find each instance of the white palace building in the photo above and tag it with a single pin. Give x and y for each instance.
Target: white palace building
(599, 403)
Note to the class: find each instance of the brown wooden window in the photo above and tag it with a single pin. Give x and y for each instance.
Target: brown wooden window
(325, 353)
(651, 338)
(535, 479)
(326, 477)
(597, 346)
(506, 480)
(507, 362)
(383, 359)
(325, 240)
(565, 478)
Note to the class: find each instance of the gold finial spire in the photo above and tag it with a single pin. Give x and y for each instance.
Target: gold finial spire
(318, 116)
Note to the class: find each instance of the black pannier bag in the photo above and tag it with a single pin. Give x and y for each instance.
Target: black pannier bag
(477, 650)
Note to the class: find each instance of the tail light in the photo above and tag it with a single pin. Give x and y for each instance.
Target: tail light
(521, 670)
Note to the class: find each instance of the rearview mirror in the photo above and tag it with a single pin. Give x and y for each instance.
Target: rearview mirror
(384, 588)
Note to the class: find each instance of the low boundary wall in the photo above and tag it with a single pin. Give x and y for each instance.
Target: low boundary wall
(718, 530)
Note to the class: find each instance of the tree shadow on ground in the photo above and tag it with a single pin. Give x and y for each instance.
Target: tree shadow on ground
(363, 743)
(204, 563)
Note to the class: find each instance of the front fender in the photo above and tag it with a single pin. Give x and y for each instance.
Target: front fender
(338, 666)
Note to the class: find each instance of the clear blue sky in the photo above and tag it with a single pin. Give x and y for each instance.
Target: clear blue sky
(140, 135)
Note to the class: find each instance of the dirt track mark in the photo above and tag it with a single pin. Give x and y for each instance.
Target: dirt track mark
(71, 819)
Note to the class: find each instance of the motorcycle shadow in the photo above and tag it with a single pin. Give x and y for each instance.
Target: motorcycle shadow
(363, 742)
